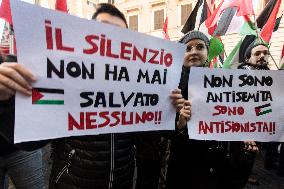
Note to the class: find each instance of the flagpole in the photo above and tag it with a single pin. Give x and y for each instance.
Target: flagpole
(274, 61)
(257, 34)
(225, 53)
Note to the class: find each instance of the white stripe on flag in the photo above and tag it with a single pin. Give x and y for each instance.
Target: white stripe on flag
(198, 16)
(52, 96)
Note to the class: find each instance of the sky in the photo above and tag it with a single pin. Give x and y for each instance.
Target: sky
(2, 21)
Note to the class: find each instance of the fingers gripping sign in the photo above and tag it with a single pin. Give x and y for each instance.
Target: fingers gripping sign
(250, 146)
(177, 99)
(184, 114)
(14, 77)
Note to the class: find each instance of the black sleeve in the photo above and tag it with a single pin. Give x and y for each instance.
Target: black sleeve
(7, 120)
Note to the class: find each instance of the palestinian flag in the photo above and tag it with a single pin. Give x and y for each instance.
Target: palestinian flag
(200, 13)
(277, 23)
(265, 13)
(196, 21)
(45, 96)
(233, 59)
(261, 20)
(244, 7)
(238, 53)
(268, 28)
(228, 21)
(264, 109)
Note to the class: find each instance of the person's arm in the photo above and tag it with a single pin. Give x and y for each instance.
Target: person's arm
(14, 77)
(183, 109)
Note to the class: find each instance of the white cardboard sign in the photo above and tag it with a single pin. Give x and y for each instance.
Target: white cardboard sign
(236, 105)
(93, 77)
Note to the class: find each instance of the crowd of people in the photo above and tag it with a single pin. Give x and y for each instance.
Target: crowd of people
(108, 161)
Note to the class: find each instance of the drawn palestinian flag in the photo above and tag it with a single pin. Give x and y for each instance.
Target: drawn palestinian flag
(46, 96)
(264, 109)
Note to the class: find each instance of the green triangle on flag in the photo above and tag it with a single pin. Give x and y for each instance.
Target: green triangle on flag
(235, 52)
(248, 28)
(282, 66)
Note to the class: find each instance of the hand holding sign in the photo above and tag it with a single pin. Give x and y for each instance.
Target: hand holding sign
(93, 78)
(184, 115)
(14, 77)
(177, 99)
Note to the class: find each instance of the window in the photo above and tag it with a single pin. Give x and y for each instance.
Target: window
(111, 1)
(185, 12)
(158, 19)
(91, 4)
(133, 22)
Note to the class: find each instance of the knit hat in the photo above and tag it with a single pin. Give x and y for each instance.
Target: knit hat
(249, 49)
(195, 35)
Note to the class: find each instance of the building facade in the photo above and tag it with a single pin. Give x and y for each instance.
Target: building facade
(148, 16)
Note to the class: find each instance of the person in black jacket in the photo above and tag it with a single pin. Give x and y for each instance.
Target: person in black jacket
(103, 161)
(21, 162)
(243, 153)
(194, 163)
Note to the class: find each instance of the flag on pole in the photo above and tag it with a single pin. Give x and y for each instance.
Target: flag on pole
(268, 28)
(230, 23)
(5, 11)
(277, 23)
(233, 58)
(265, 13)
(237, 55)
(61, 5)
(244, 7)
(165, 29)
(260, 22)
(191, 20)
(200, 13)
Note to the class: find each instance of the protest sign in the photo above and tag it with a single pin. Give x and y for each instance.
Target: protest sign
(93, 77)
(236, 105)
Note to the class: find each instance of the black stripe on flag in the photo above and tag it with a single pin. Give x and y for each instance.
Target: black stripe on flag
(263, 106)
(46, 90)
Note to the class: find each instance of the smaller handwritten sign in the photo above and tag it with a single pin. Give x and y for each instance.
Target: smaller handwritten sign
(236, 105)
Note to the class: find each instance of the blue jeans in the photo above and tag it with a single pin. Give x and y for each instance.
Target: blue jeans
(23, 168)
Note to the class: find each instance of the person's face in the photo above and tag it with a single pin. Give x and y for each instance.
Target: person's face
(114, 20)
(196, 53)
(259, 56)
